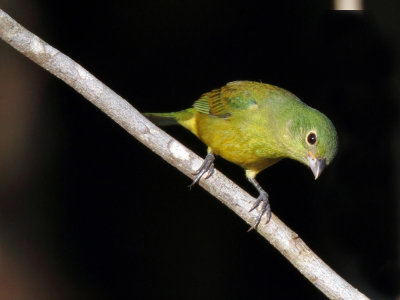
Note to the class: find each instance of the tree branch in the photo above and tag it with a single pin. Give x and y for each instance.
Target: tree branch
(276, 232)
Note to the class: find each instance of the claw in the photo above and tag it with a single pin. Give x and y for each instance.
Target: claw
(210, 171)
(265, 206)
(206, 167)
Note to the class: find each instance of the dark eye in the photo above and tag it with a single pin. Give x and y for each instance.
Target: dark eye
(311, 138)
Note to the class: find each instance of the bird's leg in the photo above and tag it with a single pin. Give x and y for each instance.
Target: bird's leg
(206, 166)
(263, 200)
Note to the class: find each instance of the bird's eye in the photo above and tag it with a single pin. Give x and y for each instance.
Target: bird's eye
(311, 138)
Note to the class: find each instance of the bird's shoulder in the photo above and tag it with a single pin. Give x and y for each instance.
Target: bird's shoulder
(244, 97)
(234, 97)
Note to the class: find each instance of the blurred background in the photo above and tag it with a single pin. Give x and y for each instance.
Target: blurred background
(87, 212)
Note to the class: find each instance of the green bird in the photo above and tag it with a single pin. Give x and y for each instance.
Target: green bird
(255, 125)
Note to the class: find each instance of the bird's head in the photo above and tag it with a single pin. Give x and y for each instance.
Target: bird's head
(313, 139)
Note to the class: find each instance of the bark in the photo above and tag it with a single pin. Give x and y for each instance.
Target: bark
(276, 232)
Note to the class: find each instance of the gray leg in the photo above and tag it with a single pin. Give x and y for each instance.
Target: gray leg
(263, 200)
(207, 166)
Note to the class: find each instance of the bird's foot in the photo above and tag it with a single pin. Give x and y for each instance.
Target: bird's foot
(265, 208)
(206, 167)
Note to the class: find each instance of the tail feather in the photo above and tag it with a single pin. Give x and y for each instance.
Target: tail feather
(186, 118)
(183, 117)
(162, 119)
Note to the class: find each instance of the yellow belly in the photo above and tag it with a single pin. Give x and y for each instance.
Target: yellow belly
(234, 143)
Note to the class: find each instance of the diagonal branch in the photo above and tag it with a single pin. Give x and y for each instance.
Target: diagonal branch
(276, 232)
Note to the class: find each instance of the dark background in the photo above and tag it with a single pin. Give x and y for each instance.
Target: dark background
(87, 212)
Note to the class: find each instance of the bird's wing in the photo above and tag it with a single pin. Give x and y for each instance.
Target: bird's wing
(212, 103)
(224, 101)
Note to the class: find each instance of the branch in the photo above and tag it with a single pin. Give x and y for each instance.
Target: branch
(276, 232)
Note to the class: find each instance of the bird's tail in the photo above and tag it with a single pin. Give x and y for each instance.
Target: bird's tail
(162, 119)
(183, 117)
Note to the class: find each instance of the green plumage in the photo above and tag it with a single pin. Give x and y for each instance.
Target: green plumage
(254, 125)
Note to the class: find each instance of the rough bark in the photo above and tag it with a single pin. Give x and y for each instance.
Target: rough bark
(276, 232)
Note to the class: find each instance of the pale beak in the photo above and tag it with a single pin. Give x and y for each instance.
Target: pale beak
(317, 165)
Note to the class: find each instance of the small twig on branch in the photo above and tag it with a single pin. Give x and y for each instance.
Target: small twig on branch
(276, 232)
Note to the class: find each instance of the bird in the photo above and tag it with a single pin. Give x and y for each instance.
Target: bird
(255, 125)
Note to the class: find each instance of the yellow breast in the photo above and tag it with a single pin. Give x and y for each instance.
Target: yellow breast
(231, 142)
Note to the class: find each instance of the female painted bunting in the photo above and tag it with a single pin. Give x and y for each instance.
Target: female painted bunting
(255, 125)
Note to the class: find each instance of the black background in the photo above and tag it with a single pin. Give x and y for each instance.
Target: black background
(87, 212)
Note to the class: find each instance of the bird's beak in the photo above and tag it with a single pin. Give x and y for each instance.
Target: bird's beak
(317, 165)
